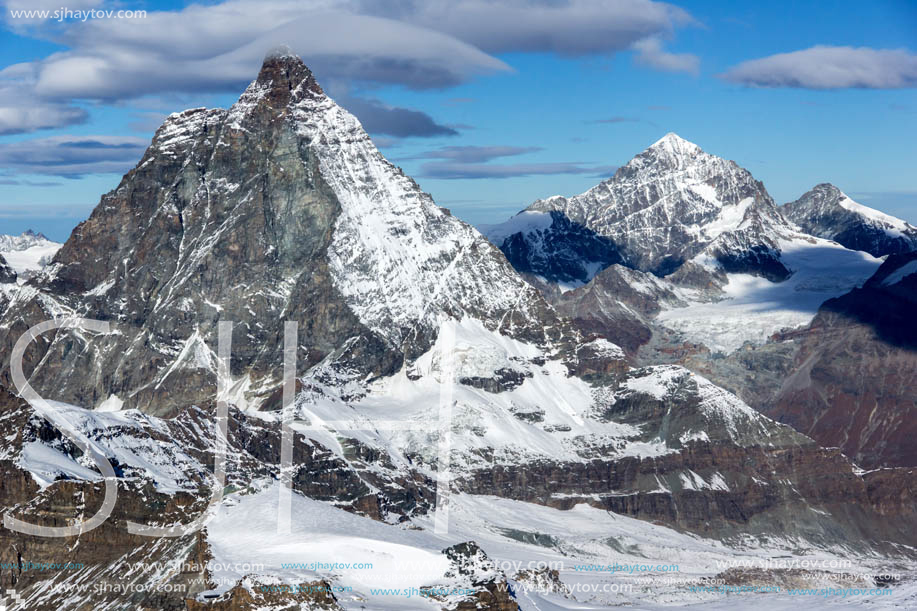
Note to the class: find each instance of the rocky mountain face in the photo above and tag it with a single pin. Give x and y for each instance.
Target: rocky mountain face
(552, 247)
(7, 273)
(673, 202)
(854, 380)
(799, 373)
(618, 304)
(846, 379)
(425, 360)
(277, 209)
(827, 212)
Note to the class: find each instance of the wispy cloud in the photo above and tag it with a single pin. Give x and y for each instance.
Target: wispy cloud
(475, 154)
(72, 156)
(453, 170)
(471, 162)
(570, 27)
(380, 118)
(827, 67)
(417, 44)
(650, 53)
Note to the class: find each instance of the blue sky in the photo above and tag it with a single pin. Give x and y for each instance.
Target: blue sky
(489, 105)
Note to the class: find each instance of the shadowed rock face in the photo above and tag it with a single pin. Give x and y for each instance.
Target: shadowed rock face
(278, 209)
(7, 275)
(562, 251)
(855, 379)
(827, 212)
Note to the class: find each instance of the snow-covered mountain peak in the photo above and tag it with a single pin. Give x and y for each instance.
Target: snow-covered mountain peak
(670, 202)
(825, 195)
(28, 252)
(674, 144)
(284, 81)
(827, 212)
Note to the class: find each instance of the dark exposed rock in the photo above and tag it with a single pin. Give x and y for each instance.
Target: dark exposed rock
(562, 251)
(7, 274)
(854, 381)
(473, 570)
(252, 593)
(502, 380)
(618, 305)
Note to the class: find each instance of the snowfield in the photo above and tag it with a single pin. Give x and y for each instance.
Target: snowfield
(28, 252)
(516, 536)
(755, 308)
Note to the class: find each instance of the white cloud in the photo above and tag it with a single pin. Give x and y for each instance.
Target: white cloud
(650, 53)
(826, 67)
(566, 27)
(419, 44)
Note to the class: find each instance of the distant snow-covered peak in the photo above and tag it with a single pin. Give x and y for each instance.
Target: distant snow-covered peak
(28, 252)
(670, 202)
(827, 212)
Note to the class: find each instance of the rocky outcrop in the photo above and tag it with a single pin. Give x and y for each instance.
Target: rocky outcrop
(854, 378)
(827, 212)
(618, 304)
(552, 247)
(482, 585)
(253, 593)
(7, 274)
(710, 470)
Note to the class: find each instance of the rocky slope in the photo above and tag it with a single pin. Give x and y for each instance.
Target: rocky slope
(550, 246)
(846, 379)
(827, 212)
(854, 381)
(619, 304)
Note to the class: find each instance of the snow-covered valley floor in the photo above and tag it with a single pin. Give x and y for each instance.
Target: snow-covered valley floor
(755, 308)
(582, 543)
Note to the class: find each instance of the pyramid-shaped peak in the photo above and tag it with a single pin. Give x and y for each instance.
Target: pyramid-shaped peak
(284, 79)
(674, 143)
